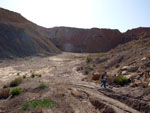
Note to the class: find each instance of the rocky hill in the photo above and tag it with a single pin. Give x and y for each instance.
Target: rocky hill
(85, 40)
(137, 33)
(93, 40)
(20, 37)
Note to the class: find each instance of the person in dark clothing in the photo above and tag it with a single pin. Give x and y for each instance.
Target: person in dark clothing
(104, 76)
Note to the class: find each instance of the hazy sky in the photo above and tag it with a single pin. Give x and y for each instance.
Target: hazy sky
(114, 14)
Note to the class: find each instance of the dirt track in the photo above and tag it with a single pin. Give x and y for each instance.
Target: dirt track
(59, 72)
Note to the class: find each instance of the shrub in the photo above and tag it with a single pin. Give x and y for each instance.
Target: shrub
(42, 86)
(121, 80)
(101, 54)
(34, 75)
(4, 93)
(18, 74)
(15, 82)
(45, 103)
(24, 76)
(89, 59)
(39, 75)
(79, 68)
(15, 91)
(6, 86)
(90, 67)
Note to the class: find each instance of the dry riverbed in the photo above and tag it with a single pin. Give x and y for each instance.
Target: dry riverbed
(63, 85)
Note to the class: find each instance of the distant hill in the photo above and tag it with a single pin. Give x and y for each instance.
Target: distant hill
(20, 37)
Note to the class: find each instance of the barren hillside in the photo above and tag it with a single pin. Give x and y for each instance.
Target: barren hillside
(20, 37)
(128, 69)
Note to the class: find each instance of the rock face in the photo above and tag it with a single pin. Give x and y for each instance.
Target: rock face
(138, 33)
(85, 40)
(20, 37)
(93, 40)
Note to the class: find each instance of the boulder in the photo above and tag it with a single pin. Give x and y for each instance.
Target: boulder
(96, 76)
(136, 83)
(4, 93)
(129, 68)
(143, 59)
(84, 79)
(124, 68)
(149, 84)
(132, 68)
(132, 76)
(124, 72)
(144, 84)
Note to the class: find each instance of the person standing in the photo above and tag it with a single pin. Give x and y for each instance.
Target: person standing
(104, 76)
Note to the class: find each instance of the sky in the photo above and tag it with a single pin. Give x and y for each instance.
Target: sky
(113, 14)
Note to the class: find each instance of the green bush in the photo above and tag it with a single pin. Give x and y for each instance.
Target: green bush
(15, 82)
(89, 59)
(45, 103)
(121, 80)
(15, 91)
(42, 86)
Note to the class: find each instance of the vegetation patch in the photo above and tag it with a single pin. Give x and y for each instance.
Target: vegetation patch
(6, 85)
(90, 67)
(32, 75)
(42, 86)
(15, 82)
(24, 76)
(121, 80)
(89, 60)
(44, 103)
(15, 91)
(35, 74)
(101, 54)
